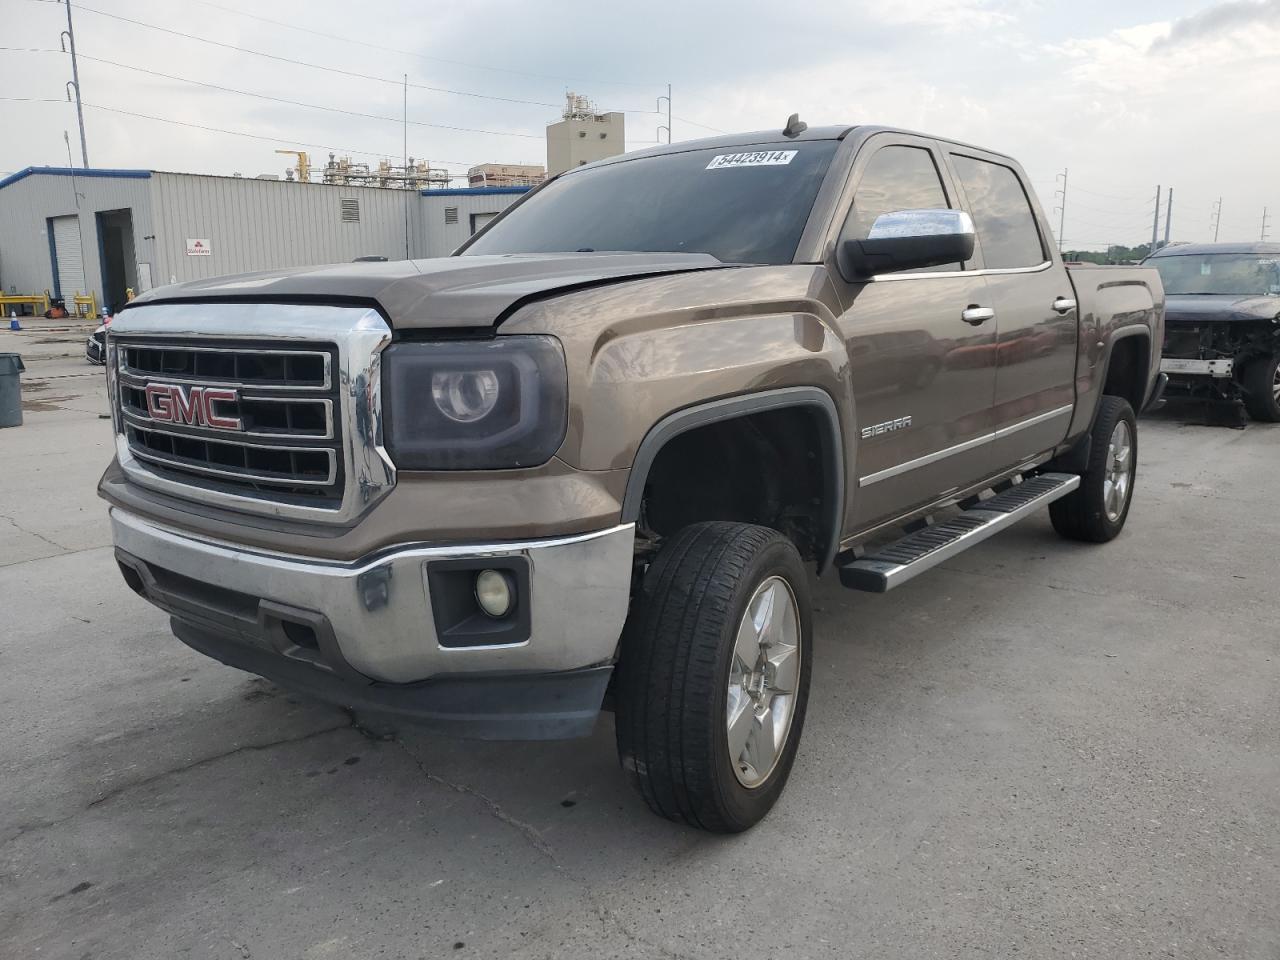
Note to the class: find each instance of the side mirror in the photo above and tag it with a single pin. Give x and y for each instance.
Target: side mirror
(907, 240)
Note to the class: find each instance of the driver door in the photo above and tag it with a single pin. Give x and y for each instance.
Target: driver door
(922, 363)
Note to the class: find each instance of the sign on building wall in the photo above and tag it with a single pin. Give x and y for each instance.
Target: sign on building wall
(199, 248)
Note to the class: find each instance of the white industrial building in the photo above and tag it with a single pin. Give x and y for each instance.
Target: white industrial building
(449, 217)
(75, 231)
(583, 135)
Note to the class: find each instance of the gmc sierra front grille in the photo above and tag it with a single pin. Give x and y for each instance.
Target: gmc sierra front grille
(252, 419)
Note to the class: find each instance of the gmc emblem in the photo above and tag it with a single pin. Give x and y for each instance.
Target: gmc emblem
(170, 403)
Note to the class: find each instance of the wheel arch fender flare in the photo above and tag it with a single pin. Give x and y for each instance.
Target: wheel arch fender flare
(1153, 361)
(812, 399)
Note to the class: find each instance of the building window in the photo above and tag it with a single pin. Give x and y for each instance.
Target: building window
(350, 209)
(450, 214)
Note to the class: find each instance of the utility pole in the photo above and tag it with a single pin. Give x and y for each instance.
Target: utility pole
(668, 114)
(1265, 218)
(659, 109)
(1155, 223)
(69, 38)
(1168, 218)
(1062, 210)
(406, 167)
(1217, 218)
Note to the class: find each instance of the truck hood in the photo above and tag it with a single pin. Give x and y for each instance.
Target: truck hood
(449, 292)
(1215, 308)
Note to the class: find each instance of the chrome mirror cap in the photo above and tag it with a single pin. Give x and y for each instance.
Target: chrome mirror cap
(907, 240)
(901, 224)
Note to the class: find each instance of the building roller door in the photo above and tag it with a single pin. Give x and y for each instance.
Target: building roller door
(68, 263)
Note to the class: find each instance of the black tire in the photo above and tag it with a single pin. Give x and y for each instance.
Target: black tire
(674, 673)
(1083, 514)
(1259, 387)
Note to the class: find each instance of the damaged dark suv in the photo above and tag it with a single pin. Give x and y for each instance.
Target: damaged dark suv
(1222, 324)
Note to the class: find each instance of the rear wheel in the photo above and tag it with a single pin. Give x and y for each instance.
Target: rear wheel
(714, 675)
(1261, 388)
(1096, 511)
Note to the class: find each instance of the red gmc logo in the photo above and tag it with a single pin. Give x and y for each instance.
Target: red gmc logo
(170, 403)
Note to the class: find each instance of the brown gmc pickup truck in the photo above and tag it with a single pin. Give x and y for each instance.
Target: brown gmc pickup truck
(589, 458)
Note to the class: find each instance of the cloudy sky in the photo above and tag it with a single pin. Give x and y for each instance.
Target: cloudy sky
(1126, 95)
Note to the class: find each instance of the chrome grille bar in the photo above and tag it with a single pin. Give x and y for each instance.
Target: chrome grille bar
(293, 477)
(227, 366)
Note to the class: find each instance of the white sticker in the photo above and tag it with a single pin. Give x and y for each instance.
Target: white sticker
(199, 247)
(760, 158)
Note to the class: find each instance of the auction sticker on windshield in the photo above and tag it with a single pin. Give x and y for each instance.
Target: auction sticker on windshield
(759, 158)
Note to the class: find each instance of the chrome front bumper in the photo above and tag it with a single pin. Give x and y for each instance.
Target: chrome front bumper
(373, 620)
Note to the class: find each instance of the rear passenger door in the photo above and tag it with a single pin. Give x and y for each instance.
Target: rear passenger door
(1035, 308)
(923, 376)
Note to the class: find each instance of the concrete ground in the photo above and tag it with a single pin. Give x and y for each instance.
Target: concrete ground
(1040, 749)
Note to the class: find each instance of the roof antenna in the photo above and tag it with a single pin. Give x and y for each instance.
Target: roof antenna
(795, 126)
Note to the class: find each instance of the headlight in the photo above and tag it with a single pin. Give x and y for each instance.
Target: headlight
(463, 405)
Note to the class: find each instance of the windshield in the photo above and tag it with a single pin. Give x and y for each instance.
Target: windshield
(741, 205)
(1239, 274)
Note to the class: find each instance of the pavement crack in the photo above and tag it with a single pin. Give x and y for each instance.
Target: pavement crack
(204, 761)
(39, 825)
(39, 536)
(53, 556)
(494, 809)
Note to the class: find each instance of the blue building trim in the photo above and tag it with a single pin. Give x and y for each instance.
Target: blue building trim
(53, 256)
(465, 191)
(73, 172)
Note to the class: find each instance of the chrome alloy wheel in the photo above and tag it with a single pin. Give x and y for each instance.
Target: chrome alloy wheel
(763, 679)
(1275, 385)
(1119, 471)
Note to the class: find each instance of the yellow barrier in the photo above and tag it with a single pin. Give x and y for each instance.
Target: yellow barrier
(39, 302)
(89, 300)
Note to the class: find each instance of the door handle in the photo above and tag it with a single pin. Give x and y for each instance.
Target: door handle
(1063, 305)
(975, 315)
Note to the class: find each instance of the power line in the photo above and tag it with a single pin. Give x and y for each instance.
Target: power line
(222, 130)
(704, 126)
(314, 66)
(297, 103)
(410, 53)
(1107, 196)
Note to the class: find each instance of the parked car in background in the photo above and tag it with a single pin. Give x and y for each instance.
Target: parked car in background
(1222, 323)
(95, 348)
(597, 448)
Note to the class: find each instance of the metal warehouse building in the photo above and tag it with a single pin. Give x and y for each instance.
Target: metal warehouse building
(75, 231)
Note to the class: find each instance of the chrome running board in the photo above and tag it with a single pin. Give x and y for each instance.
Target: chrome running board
(895, 564)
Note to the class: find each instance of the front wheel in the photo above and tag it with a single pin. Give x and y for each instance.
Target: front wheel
(1096, 511)
(713, 679)
(1261, 388)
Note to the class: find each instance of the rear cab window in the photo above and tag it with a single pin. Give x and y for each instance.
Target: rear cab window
(1008, 232)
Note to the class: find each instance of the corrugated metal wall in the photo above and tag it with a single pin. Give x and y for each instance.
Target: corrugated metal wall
(439, 237)
(249, 224)
(27, 204)
(265, 224)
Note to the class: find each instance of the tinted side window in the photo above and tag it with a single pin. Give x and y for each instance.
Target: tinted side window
(896, 178)
(1001, 213)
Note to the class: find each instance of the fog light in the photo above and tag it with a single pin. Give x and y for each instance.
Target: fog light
(493, 593)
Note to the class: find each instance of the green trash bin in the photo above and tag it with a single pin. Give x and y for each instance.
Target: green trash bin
(10, 390)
